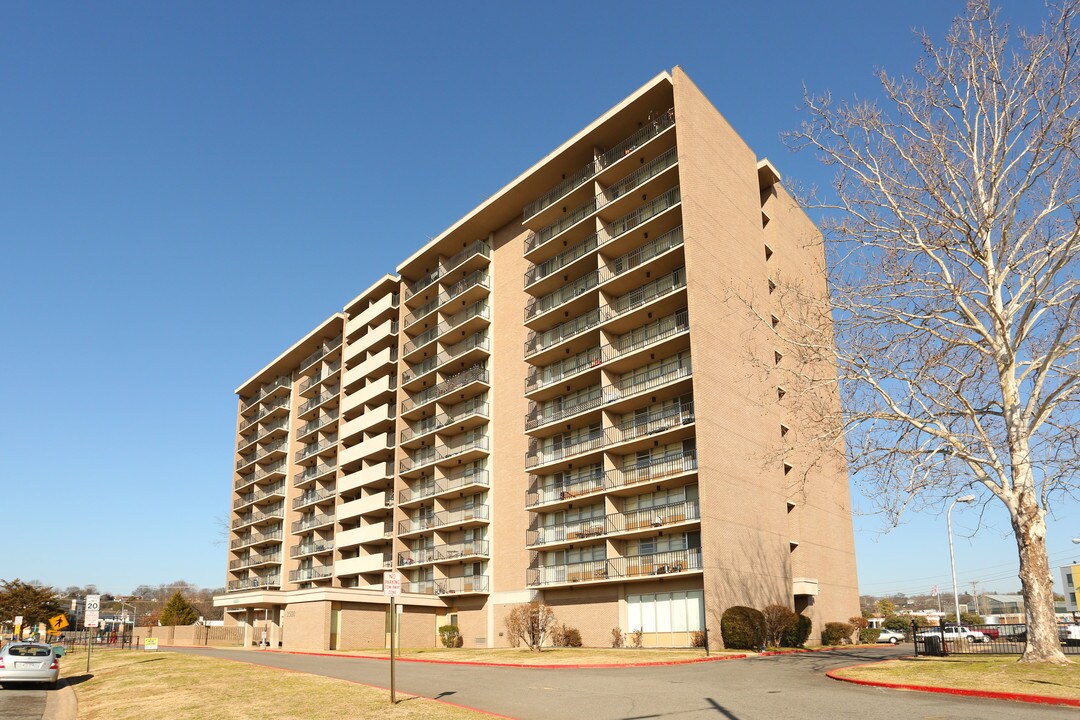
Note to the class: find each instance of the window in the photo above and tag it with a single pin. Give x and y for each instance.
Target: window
(671, 616)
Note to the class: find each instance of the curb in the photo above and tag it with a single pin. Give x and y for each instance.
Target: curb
(61, 704)
(987, 694)
(824, 648)
(523, 666)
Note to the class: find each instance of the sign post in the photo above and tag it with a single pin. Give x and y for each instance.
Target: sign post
(392, 588)
(90, 620)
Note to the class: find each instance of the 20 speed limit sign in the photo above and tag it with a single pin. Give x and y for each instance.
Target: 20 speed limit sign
(93, 605)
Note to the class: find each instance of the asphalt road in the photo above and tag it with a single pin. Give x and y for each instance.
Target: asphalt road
(22, 702)
(793, 687)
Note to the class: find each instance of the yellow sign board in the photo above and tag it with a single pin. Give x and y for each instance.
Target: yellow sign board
(58, 623)
(150, 644)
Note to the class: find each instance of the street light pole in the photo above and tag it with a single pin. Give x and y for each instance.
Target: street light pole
(952, 554)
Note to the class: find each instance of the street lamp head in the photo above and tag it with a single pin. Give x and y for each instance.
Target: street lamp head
(1076, 541)
(966, 498)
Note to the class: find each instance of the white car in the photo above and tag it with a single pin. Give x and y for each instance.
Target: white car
(890, 636)
(954, 633)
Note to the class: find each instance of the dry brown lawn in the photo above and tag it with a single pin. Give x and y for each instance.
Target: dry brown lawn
(996, 674)
(553, 656)
(134, 685)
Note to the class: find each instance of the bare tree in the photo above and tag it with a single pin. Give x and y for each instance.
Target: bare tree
(951, 237)
(530, 623)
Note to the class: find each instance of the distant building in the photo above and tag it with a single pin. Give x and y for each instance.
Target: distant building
(1069, 576)
(1002, 604)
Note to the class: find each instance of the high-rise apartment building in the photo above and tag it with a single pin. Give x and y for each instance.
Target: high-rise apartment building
(556, 398)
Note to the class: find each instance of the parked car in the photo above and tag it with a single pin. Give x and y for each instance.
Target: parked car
(954, 633)
(1069, 634)
(890, 636)
(29, 662)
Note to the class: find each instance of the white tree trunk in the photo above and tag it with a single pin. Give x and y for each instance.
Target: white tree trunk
(1037, 583)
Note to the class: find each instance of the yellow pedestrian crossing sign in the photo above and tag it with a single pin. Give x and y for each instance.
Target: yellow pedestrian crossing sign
(58, 623)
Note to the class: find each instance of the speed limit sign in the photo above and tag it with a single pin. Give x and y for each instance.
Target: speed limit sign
(93, 605)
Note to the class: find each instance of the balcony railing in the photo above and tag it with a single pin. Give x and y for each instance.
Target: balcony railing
(442, 452)
(623, 568)
(541, 305)
(446, 419)
(313, 472)
(644, 213)
(312, 521)
(477, 373)
(639, 177)
(478, 247)
(651, 129)
(320, 422)
(424, 338)
(666, 372)
(257, 495)
(444, 518)
(314, 380)
(258, 516)
(564, 223)
(542, 454)
(645, 294)
(424, 310)
(462, 585)
(253, 560)
(282, 401)
(416, 286)
(280, 381)
(311, 548)
(649, 518)
(655, 422)
(473, 279)
(536, 273)
(444, 553)
(313, 496)
(313, 448)
(540, 377)
(559, 409)
(643, 254)
(255, 583)
(256, 538)
(433, 487)
(541, 492)
(537, 342)
(320, 572)
(319, 399)
(325, 349)
(476, 340)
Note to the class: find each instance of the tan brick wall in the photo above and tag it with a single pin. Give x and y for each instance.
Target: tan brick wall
(363, 626)
(306, 626)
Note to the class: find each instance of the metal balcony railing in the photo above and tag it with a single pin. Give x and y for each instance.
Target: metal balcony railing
(541, 491)
(649, 292)
(310, 497)
(444, 553)
(258, 516)
(564, 223)
(540, 377)
(541, 305)
(325, 349)
(584, 481)
(655, 517)
(462, 585)
(639, 177)
(424, 310)
(280, 381)
(669, 370)
(324, 396)
(313, 472)
(312, 521)
(631, 220)
(473, 279)
(477, 373)
(437, 453)
(256, 538)
(313, 448)
(254, 583)
(416, 286)
(253, 560)
(535, 273)
(477, 247)
(641, 255)
(266, 409)
(319, 572)
(476, 340)
(314, 380)
(424, 338)
(653, 127)
(444, 518)
(537, 342)
(311, 548)
(446, 419)
(320, 422)
(433, 487)
(578, 443)
(622, 568)
(257, 495)
(561, 408)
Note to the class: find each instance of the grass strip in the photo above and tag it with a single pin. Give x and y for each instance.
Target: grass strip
(993, 674)
(134, 685)
(551, 656)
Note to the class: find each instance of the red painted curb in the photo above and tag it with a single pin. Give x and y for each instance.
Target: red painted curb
(577, 666)
(989, 694)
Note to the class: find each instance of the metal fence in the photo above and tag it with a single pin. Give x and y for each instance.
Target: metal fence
(985, 639)
(74, 642)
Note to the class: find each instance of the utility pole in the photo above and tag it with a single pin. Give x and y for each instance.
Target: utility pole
(975, 595)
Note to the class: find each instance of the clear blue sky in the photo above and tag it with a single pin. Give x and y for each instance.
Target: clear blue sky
(187, 188)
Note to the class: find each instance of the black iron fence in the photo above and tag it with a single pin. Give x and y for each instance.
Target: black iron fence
(74, 642)
(985, 639)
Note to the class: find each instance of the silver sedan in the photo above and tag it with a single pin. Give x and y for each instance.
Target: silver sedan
(29, 662)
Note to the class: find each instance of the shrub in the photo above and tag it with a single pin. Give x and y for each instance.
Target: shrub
(779, 619)
(799, 634)
(836, 633)
(530, 623)
(450, 636)
(743, 628)
(618, 639)
(697, 638)
(858, 622)
(565, 636)
(869, 636)
(636, 637)
(897, 623)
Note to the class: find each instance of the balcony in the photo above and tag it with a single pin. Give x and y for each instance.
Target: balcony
(445, 520)
(477, 341)
(476, 374)
(470, 448)
(478, 248)
(276, 468)
(558, 227)
(313, 497)
(317, 424)
(377, 503)
(350, 432)
(370, 447)
(266, 390)
(255, 583)
(567, 257)
(580, 443)
(538, 342)
(475, 279)
(329, 371)
(320, 547)
(319, 572)
(642, 255)
(641, 215)
(467, 585)
(652, 169)
(637, 522)
(542, 377)
(380, 390)
(654, 470)
(277, 490)
(424, 310)
(635, 567)
(433, 488)
(456, 415)
(378, 474)
(316, 448)
(257, 517)
(364, 564)
(310, 522)
(661, 287)
(563, 408)
(265, 410)
(447, 553)
(323, 350)
(313, 473)
(323, 397)
(377, 533)
(559, 298)
(255, 560)
(669, 371)
(249, 539)
(412, 289)
(377, 364)
(578, 178)
(384, 307)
